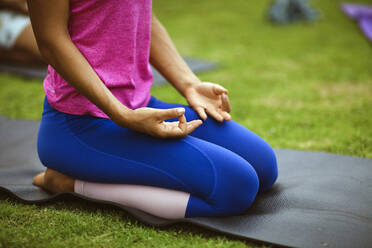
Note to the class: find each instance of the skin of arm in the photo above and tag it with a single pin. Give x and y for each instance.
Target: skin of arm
(166, 59)
(49, 20)
(202, 97)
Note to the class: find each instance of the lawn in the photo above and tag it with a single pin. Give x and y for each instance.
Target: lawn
(306, 86)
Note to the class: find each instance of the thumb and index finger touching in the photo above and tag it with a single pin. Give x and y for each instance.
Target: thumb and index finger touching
(184, 126)
(165, 114)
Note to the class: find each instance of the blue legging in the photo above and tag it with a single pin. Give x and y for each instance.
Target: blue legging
(221, 165)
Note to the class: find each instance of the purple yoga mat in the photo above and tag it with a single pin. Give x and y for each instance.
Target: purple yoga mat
(361, 13)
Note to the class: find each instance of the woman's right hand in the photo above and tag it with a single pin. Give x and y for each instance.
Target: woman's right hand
(151, 121)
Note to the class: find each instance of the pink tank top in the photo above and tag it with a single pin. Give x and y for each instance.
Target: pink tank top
(114, 36)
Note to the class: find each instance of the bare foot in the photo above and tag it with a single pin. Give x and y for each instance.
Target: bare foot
(54, 181)
(39, 179)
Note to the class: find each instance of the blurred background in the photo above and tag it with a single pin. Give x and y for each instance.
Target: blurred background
(302, 85)
(305, 84)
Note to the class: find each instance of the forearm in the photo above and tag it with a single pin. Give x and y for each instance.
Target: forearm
(49, 21)
(80, 75)
(166, 59)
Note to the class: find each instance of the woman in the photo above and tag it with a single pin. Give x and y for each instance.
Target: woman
(104, 136)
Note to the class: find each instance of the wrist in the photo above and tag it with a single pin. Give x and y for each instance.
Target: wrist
(123, 116)
(189, 86)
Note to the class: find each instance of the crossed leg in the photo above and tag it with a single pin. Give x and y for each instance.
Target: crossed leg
(205, 178)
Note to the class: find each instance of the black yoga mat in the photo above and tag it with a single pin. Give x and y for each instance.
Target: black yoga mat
(319, 200)
(196, 65)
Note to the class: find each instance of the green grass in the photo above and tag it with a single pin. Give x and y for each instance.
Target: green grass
(303, 86)
(82, 224)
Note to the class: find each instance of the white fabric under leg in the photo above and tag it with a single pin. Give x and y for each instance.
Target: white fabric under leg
(11, 26)
(161, 202)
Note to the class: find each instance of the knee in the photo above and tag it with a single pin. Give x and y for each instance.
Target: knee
(241, 193)
(244, 198)
(269, 169)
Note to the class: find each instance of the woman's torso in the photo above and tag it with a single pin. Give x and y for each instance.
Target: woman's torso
(114, 36)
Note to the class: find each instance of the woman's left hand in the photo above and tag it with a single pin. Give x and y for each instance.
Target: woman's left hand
(209, 98)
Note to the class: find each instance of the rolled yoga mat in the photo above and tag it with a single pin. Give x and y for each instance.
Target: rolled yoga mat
(319, 200)
(196, 65)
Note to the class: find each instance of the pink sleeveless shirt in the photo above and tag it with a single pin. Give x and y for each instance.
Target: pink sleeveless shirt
(114, 36)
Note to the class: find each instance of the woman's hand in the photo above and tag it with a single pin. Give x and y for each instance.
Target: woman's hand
(210, 98)
(151, 121)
